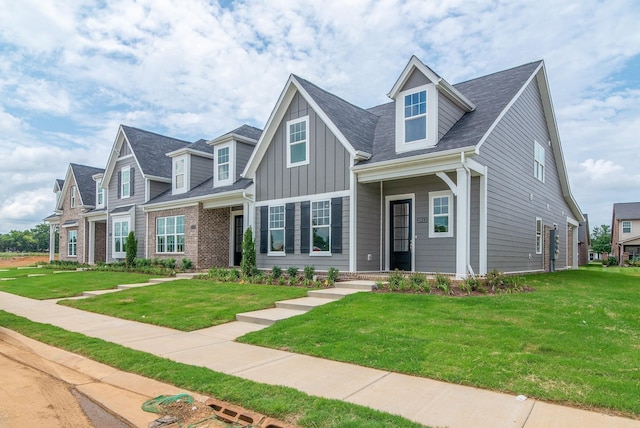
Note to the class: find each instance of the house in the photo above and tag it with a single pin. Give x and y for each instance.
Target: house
(625, 231)
(75, 196)
(584, 242)
(458, 179)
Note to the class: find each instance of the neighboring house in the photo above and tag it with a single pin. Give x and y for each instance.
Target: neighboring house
(458, 179)
(75, 196)
(625, 231)
(584, 242)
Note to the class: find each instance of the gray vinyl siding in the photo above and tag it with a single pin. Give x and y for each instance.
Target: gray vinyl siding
(321, 263)
(327, 171)
(416, 79)
(155, 188)
(137, 199)
(448, 115)
(475, 225)
(515, 196)
(368, 228)
(243, 153)
(431, 254)
(201, 170)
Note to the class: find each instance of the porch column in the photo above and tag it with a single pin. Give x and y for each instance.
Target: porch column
(482, 251)
(462, 223)
(92, 242)
(52, 242)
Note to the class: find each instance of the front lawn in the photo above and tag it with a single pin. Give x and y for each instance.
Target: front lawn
(187, 304)
(576, 339)
(67, 284)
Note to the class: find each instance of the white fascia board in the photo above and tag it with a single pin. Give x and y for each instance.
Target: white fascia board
(96, 216)
(97, 176)
(455, 95)
(187, 150)
(229, 137)
(157, 178)
(65, 187)
(230, 198)
(277, 114)
(113, 157)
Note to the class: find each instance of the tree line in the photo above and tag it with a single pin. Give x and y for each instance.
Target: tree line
(34, 240)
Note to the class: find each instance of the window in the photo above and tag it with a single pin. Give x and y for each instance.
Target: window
(538, 161)
(72, 244)
(125, 184)
(321, 226)
(178, 174)
(223, 164)
(626, 227)
(276, 229)
(170, 234)
(73, 196)
(99, 194)
(440, 215)
(120, 232)
(297, 142)
(538, 236)
(415, 116)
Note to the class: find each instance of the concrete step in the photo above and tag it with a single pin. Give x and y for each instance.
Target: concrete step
(94, 293)
(333, 293)
(356, 285)
(268, 316)
(303, 303)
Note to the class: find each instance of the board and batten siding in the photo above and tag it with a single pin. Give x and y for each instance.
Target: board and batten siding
(137, 199)
(448, 115)
(201, 169)
(243, 153)
(322, 263)
(156, 188)
(515, 196)
(368, 224)
(328, 168)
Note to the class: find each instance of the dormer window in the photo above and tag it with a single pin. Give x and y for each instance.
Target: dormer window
(416, 118)
(73, 196)
(99, 194)
(179, 182)
(223, 170)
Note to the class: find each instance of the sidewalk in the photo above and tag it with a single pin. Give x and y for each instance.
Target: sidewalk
(422, 400)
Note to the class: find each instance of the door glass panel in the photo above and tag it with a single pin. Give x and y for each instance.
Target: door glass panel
(401, 227)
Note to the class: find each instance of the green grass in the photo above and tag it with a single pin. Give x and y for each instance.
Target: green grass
(67, 284)
(187, 304)
(275, 401)
(576, 339)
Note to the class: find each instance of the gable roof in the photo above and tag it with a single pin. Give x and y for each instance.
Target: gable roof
(202, 191)
(86, 185)
(626, 211)
(245, 134)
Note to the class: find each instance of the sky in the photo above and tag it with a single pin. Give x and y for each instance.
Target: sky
(72, 71)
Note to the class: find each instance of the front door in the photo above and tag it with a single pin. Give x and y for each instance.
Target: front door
(237, 239)
(400, 242)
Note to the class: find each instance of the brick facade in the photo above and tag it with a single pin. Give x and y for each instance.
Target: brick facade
(100, 251)
(570, 233)
(72, 214)
(206, 236)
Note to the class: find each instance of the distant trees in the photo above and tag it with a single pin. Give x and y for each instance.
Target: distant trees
(33, 240)
(601, 239)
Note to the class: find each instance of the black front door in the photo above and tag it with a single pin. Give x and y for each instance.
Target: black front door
(400, 242)
(237, 239)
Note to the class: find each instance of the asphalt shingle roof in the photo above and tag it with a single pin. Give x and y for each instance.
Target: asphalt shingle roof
(626, 211)
(151, 149)
(203, 189)
(85, 182)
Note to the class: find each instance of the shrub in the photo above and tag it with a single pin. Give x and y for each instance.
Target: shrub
(443, 282)
(187, 264)
(248, 261)
(292, 272)
(397, 280)
(471, 283)
(169, 263)
(276, 272)
(418, 281)
(131, 249)
(332, 275)
(612, 261)
(309, 272)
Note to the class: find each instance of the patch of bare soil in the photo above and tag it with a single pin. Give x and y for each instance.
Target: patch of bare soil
(19, 261)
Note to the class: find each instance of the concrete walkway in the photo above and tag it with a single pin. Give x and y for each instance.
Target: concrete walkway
(422, 400)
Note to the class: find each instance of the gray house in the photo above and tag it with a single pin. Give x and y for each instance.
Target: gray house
(458, 179)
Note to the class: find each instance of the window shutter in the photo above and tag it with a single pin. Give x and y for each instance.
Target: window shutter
(305, 227)
(132, 181)
(264, 229)
(119, 184)
(336, 225)
(289, 221)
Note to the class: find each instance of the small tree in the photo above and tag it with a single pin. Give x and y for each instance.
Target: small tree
(601, 239)
(131, 249)
(248, 262)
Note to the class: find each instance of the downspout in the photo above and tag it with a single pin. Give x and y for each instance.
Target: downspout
(468, 214)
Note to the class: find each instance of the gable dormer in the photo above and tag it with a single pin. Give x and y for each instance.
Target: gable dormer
(426, 106)
(231, 152)
(101, 193)
(190, 166)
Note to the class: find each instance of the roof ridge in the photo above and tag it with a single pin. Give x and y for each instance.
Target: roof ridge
(154, 133)
(499, 71)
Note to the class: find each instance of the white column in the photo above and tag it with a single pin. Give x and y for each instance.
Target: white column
(462, 223)
(92, 242)
(482, 233)
(52, 242)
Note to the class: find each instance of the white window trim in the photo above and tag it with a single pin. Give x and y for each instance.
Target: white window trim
(232, 165)
(319, 253)
(176, 234)
(75, 245)
(100, 191)
(186, 182)
(630, 227)
(307, 142)
(432, 119)
(448, 233)
(122, 182)
(539, 236)
(284, 232)
(73, 197)
(539, 165)
(120, 219)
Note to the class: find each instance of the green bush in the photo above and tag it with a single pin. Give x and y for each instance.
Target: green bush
(332, 275)
(187, 264)
(443, 282)
(612, 261)
(418, 282)
(309, 272)
(131, 249)
(248, 262)
(397, 281)
(292, 272)
(276, 272)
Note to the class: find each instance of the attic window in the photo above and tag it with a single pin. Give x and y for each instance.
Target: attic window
(416, 118)
(298, 142)
(224, 170)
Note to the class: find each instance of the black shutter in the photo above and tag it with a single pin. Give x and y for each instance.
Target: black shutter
(336, 225)
(289, 222)
(305, 227)
(119, 184)
(132, 181)
(264, 229)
